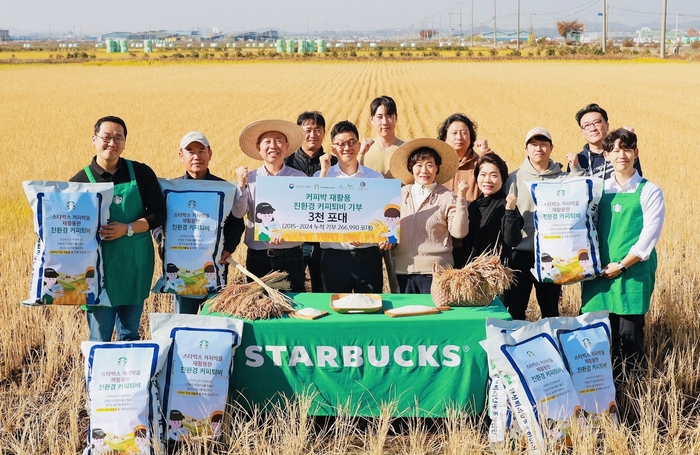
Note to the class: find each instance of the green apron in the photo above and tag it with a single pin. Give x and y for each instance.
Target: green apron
(128, 263)
(620, 222)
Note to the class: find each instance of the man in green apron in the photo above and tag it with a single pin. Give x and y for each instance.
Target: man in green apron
(137, 206)
(630, 218)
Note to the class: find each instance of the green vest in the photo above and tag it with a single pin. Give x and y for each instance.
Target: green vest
(620, 222)
(128, 261)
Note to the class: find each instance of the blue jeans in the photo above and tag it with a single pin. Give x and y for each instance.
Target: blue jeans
(126, 318)
(188, 305)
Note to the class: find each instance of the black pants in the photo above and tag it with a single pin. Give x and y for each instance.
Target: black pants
(517, 297)
(358, 270)
(627, 333)
(312, 261)
(290, 260)
(415, 283)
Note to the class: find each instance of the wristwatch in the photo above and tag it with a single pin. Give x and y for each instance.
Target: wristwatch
(130, 231)
(622, 267)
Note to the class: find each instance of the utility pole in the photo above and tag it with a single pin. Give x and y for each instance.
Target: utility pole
(605, 25)
(461, 36)
(518, 47)
(472, 23)
(450, 13)
(663, 30)
(495, 30)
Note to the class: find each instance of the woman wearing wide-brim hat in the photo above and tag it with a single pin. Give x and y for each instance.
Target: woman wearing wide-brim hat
(270, 141)
(430, 213)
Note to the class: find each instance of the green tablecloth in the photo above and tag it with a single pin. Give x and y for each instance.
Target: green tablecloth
(425, 364)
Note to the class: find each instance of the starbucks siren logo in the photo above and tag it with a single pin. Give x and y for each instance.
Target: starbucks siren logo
(204, 344)
(70, 205)
(617, 208)
(561, 193)
(117, 199)
(192, 204)
(122, 361)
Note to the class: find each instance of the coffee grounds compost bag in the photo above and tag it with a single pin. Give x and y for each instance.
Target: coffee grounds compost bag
(502, 426)
(538, 386)
(195, 381)
(585, 346)
(566, 239)
(192, 238)
(125, 413)
(67, 263)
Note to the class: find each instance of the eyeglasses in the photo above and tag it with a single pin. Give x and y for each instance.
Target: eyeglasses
(107, 139)
(347, 144)
(590, 125)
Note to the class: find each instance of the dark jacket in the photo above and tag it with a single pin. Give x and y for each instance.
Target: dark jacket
(595, 164)
(491, 225)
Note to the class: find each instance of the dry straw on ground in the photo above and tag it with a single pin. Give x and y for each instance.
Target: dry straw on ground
(47, 117)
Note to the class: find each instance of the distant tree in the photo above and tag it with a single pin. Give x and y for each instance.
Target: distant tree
(566, 27)
(531, 39)
(692, 32)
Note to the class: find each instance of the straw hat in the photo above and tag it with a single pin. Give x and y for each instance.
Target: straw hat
(399, 160)
(248, 139)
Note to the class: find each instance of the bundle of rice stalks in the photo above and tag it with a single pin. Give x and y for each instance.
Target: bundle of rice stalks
(476, 284)
(260, 299)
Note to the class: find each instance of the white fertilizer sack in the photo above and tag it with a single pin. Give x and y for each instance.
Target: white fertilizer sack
(192, 238)
(124, 408)
(502, 426)
(67, 264)
(585, 346)
(195, 381)
(566, 239)
(538, 386)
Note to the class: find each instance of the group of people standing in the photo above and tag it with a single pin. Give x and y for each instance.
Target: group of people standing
(457, 201)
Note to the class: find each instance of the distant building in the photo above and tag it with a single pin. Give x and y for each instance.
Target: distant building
(152, 35)
(254, 36)
(114, 36)
(647, 35)
(506, 36)
(5, 35)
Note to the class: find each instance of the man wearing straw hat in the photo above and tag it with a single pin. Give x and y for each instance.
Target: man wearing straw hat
(270, 141)
(430, 213)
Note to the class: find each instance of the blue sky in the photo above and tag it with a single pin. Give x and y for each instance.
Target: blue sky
(92, 17)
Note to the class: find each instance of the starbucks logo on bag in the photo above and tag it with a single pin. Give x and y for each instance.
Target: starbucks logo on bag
(192, 204)
(204, 344)
(561, 193)
(122, 361)
(617, 208)
(117, 199)
(70, 205)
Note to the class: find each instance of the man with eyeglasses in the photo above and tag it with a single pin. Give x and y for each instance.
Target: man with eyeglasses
(137, 207)
(307, 160)
(354, 266)
(270, 141)
(593, 121)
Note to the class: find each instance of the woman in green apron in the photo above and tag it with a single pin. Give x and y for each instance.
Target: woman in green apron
(137, 206)
(630, 219)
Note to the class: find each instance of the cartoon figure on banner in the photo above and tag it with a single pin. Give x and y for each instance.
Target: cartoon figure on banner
(210, 275)
(141, 440)
(98, 441)
(392, 218)
(265, 223)
(173, 283)
(216, 418)
(90, 284)
(550, 274)
(177, 430)
(52, 289)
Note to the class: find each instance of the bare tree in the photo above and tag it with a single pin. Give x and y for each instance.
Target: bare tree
(566, 27)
